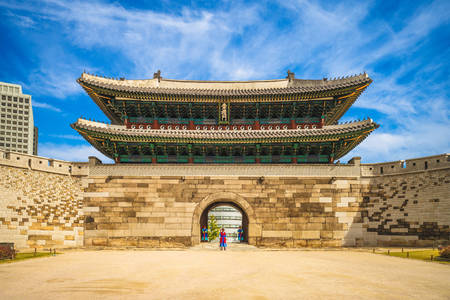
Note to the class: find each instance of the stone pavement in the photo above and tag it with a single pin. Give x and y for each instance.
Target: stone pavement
(206, 274)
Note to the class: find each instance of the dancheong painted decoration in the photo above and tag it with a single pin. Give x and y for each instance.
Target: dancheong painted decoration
(163, 120)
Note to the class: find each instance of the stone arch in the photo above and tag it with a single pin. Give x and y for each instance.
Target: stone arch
(244, 223)
(225, 198)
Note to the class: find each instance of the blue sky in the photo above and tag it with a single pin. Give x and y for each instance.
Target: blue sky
(403, 45)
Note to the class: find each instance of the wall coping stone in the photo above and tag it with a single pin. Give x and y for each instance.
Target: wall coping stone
(226, 170)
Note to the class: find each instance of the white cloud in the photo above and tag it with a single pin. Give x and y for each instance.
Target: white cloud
(45, 106)
(416, 135)
(67, 152)
(67, 136)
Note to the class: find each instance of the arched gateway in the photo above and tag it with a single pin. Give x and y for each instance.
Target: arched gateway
(200, 216)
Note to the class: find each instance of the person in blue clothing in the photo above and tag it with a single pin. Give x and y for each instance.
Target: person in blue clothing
(204, 234)
(240, 232)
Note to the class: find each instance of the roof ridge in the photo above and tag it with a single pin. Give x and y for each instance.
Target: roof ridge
(315, 84)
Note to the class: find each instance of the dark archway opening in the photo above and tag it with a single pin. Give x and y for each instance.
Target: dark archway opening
(204, 216)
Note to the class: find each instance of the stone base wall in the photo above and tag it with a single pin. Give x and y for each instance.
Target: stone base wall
(165, 211)
(40, 209)
(137, 212)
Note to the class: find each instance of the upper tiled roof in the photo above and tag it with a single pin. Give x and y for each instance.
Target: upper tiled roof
(159, 85)
(225, 134)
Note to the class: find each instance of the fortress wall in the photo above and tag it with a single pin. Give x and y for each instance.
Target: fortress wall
(410, 207)
(40, 203)
(51, 203)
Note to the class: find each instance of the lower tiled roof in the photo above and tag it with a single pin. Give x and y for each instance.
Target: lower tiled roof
(85, 125)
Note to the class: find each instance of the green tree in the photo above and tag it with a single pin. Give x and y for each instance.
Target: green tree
(213, 228)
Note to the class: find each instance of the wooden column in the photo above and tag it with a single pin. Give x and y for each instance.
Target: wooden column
(258, 150)
(293, 124)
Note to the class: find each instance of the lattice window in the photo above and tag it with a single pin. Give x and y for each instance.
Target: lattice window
(250, 151)
(184, 111)
(237, 111)
(160, 150)
(131, 110)
(300, 111)
(146, 151)
(171, 150)
(275, 111)
(211, 111)
(263, 111)
(223, 151)
(287, 111)
(314, 150)
(160, 111)
(288, 150)
(265, 150)
(197, 151)
(197, 111)
(134, 150)
(210, 151)
(183, 150)
(237, 151)
(316, 110)
(172, 111)
(276, 150)
(250, 111)
(301, 150)
(147, 111)
(122, 151)
(326, 150)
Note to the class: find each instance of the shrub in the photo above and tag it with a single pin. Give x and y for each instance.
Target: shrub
(213, 228)
(445, 252)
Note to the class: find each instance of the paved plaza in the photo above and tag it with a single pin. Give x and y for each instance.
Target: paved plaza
(238, 274)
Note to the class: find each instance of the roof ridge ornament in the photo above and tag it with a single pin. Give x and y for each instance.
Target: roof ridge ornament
(290, 75)
(157, 75)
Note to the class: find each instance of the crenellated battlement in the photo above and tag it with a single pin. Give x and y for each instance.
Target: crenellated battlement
(39, 163)
(420, 164)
